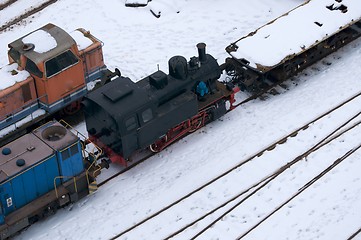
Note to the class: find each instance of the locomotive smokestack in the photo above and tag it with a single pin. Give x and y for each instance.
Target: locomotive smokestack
(202, 52)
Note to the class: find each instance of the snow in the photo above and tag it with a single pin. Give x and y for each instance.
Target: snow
(285, 39)
(135, 2)
(9, 75)
(135, 43)
(17, 8)
(42, 40)
(81, 41)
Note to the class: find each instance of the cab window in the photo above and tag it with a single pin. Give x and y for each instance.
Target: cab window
(147, 115)
(131, 123)
(33, 69)
(15, 55)
(60, 62)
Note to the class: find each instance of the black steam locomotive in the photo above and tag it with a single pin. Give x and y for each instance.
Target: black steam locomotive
(123, 117)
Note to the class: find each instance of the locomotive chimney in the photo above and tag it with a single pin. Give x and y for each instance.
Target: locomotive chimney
(202, 52)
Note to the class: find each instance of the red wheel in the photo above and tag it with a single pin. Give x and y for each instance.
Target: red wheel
(72, 108)
(159, 144)
(196, 125)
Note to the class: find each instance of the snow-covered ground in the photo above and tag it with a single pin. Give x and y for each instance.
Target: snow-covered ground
(16, 9)
(135, 42)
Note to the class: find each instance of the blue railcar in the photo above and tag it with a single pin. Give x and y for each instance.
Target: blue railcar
(39, 172)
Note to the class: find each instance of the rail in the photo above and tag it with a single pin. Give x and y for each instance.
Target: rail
(330, 137)
(27, 14)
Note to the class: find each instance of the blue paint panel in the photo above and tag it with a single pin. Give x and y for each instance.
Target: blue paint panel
(5, 194)
(52, 171)
(41, 179)
(96, 74)
(29, 184)
(18, 190)
(71, 161)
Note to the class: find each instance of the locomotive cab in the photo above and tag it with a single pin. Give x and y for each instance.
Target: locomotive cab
(49, 54)
(60, 63)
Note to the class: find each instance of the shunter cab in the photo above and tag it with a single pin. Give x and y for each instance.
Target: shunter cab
(48, 69)
(56, 63)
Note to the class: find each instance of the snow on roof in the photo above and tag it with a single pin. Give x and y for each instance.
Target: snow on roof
(297, 31)
(42, 40)
(136, 2)
(9, 75)
(81, 41)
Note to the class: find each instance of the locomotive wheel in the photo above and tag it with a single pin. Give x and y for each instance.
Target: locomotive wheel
(196, 125)
(72, 108)
(159, 144)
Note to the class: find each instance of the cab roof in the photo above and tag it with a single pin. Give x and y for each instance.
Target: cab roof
(108, 97)
(54, 39)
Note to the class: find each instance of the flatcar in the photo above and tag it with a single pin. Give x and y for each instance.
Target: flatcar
(40, 172)
(124, 117)
(290, 43)
(49, 70)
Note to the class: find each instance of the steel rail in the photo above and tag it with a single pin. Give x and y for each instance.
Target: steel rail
(263, 182)
(302, 189)
(268, 148)
(27, 14)
(7, 4)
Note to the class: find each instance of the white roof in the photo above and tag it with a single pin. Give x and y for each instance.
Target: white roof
(9, 75)
(142, 2)
(296, 31)
(81, 41)
(42, 40)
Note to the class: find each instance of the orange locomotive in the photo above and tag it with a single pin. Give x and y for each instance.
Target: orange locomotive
(49, 70)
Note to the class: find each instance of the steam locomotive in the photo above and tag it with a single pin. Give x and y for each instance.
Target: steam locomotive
(124, 117)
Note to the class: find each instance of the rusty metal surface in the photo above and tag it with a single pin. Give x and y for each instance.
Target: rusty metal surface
(28, 147)
(64, 140)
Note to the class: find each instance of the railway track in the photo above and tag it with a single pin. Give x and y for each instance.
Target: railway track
(6, 4)
(21, 17)
(305, 187)
(333, 135)
(355, 234)
(262, 184)
(256, 187)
